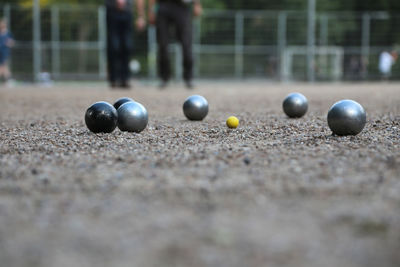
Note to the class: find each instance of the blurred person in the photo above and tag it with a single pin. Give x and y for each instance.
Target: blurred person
(386, 62)
(119, 38)
(6, 43)
(177, 13)
(355, 68)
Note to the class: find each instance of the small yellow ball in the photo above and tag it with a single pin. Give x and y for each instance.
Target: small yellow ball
(232, 122)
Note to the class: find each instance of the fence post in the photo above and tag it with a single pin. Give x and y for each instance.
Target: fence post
(323, 60)
(102, 42)
(282, 21)
(152, 52)
(7, 14)
(55, 41)
(365, 40)
(311, 40)
(37, 53)
(323, 35)
(239, 27)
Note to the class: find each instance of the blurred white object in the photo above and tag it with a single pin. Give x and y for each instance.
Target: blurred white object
(11, 83)
(44, 79)
(386, 61)
(134, 66)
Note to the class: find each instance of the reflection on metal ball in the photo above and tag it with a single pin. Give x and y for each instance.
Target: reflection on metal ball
(101, 117)
(346, 117)
(195, 108)
(132, 117)
(122, 101)
(295, 105)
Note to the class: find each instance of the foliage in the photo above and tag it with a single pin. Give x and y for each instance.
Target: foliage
(322, 5)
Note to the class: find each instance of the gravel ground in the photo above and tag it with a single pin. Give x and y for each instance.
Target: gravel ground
(274, 192)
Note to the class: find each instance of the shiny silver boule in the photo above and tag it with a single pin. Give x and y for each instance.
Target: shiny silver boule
(195, 108)
(346, 117)
(295, 105)
(132, 117)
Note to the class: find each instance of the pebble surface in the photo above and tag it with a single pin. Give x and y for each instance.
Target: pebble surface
(273, 192)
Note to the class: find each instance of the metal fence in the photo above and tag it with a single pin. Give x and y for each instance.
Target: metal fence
(69, 43)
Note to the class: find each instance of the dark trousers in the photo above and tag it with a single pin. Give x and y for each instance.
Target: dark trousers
(180, 16)
(119, 45)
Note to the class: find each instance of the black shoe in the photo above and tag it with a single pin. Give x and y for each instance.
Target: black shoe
(113, 85)
(189, 85)
(163, 85)
(125, 85)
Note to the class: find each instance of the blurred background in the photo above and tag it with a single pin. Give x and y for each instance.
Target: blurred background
(277, 40)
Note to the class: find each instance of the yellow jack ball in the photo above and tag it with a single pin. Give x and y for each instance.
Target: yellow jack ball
(232, 122)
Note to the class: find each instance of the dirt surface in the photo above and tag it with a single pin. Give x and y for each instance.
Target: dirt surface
(274, 192)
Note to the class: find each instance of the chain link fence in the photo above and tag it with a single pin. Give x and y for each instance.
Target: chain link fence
(68, 42)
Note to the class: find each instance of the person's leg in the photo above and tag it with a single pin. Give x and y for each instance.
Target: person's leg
(126, 48)
(184, 33)
(112, 47)
(2, 73)
(7, 72)
(2, 65)
(162, 24)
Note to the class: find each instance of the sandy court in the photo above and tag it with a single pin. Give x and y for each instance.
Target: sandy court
(274, 192)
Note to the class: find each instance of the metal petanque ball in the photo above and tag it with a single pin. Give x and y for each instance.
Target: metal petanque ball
(101, 117)
(132, 117)
(295, 105)
(122, 101)
(346, 117)
(195, 108)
